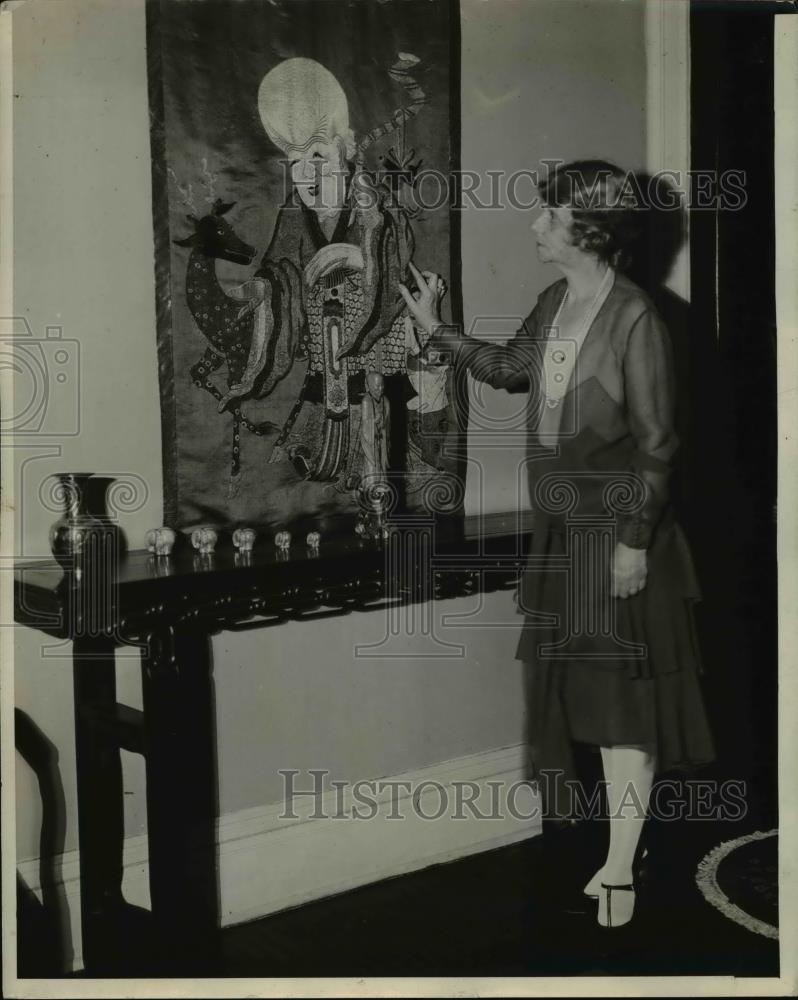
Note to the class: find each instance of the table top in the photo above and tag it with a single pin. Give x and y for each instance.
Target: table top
(460, 555)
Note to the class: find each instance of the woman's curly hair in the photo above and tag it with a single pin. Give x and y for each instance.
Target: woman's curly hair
(606, 216)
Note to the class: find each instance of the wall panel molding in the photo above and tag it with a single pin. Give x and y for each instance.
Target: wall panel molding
(268, 863)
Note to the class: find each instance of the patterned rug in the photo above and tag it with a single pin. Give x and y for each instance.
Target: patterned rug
(740, 878)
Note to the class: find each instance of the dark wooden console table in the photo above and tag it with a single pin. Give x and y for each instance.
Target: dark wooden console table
(170, 607)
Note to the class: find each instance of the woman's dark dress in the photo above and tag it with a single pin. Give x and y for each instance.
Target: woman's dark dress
(634, 683)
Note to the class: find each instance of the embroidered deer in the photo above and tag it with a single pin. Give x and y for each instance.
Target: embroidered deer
(225, 320)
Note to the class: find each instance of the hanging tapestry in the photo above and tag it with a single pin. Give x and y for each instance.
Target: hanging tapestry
(303, 152)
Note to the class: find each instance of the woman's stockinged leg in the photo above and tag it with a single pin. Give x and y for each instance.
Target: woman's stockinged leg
(629, 773)
(593, 887)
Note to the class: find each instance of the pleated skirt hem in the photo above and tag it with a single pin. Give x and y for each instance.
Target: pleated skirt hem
(652, 700)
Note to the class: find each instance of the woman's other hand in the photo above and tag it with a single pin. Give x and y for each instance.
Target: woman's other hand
(629, 570)
(424, 305)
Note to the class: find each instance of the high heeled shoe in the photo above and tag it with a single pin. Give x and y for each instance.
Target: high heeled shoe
(616, 912)
(593, 887)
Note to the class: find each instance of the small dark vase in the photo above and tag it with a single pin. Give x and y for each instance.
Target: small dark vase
(72, 535)
(98, 503)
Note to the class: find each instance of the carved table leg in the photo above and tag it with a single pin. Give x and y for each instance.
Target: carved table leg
(182, 800)
(100, 806)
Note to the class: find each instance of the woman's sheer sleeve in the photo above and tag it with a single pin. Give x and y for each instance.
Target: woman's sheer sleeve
(503, 366)
(650, 400)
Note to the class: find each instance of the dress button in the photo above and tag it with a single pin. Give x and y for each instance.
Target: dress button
(552, 403)
(558, 377)
(559, 357)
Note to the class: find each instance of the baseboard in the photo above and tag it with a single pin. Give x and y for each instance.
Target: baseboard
(272, 858)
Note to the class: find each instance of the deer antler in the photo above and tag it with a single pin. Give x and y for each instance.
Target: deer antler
(221, 207)
(187, 192)
(210, 181)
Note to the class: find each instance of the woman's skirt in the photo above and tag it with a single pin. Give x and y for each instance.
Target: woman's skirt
(610, 671)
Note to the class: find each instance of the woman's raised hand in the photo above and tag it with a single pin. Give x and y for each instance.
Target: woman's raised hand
(424, 305)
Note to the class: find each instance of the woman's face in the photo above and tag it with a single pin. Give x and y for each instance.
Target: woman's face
(552, 230)
(319, 174)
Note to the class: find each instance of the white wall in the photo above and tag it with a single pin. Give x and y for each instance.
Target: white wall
(540, 78)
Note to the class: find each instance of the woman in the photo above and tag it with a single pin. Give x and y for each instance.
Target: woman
(609, 563)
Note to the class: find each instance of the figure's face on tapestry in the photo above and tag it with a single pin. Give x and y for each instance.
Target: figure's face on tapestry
(319, 173)
(305, 113)
(375, 385)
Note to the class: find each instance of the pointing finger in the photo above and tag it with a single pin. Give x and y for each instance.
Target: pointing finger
(416, 273)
